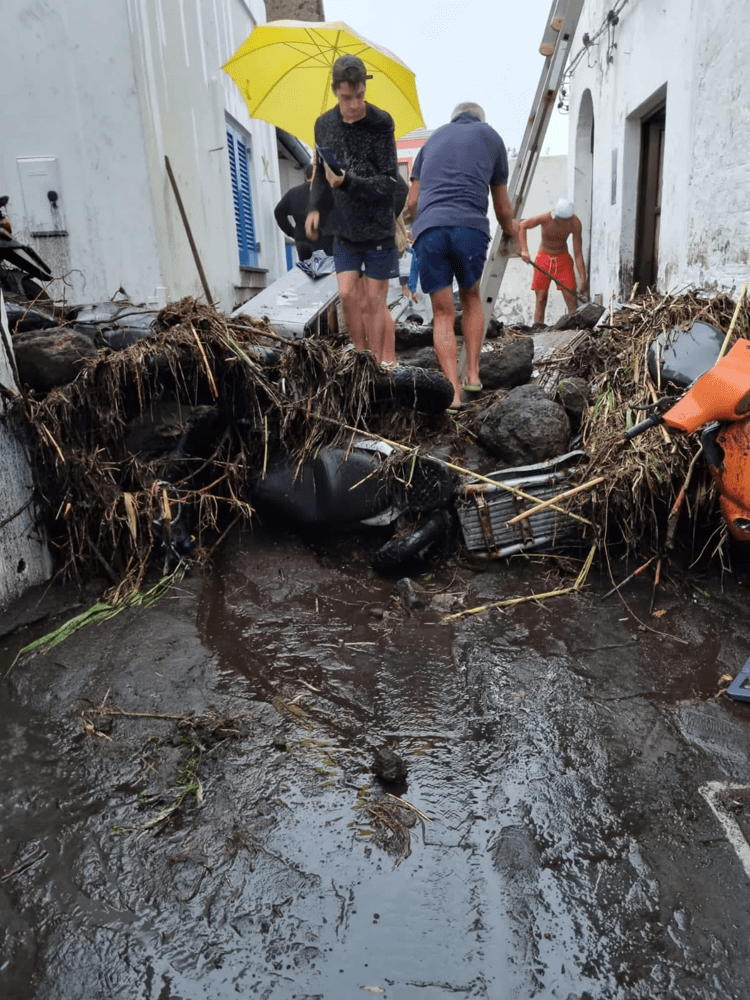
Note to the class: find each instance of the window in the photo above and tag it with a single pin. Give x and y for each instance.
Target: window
(239, 167)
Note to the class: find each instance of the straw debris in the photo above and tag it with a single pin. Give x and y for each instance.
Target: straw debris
(146, 454)
(643, 479)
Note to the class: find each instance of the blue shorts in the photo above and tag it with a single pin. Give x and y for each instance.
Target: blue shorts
(379, 262)
(447, 251)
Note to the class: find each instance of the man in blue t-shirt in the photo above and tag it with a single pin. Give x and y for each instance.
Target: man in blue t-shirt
(450, 180)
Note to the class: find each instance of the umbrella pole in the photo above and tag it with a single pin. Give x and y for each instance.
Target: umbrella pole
(189, 232)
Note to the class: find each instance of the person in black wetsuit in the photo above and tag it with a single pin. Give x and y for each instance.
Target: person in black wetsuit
(294, 206)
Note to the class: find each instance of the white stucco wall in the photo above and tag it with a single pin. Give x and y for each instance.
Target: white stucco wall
(718, 218)
(515, 303)
(290, 175)
(694, 53)
(109, 89)
(24, 558)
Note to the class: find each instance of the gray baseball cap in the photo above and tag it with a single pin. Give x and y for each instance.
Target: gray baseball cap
(349, 69)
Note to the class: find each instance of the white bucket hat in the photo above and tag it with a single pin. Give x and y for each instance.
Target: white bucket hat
(563, 209)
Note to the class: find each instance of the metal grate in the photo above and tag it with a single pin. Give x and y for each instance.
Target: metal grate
(484, 510)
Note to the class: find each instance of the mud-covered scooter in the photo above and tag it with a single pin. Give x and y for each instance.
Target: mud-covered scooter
(717, 399)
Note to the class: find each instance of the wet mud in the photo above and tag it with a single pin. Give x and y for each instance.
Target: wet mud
(189, 809)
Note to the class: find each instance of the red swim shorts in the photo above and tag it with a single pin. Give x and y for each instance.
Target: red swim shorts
(561, 266)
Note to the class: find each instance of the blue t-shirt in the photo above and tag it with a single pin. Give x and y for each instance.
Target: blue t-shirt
(455, 168)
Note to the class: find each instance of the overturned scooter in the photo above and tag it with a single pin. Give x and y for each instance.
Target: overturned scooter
(719, 402)
(348, 488)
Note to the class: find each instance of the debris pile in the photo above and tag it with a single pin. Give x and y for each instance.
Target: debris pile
(160, 442)
(147, 452)
(653, 485)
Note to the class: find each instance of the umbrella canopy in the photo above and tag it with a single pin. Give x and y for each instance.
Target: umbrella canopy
(283, 71)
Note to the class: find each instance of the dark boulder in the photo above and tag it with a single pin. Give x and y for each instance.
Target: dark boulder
(48, 358)
(525, 427)
(410, 335)
(584, 318)
(507, 366)
(388, 766)
(574, 394)
(426, 358)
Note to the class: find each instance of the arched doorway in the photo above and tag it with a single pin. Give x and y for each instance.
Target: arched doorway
(583, 180)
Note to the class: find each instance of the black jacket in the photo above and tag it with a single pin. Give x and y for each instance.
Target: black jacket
(293, 203)
(361, 210)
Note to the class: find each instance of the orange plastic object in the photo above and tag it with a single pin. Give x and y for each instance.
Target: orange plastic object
(723, 393)
(733, 477)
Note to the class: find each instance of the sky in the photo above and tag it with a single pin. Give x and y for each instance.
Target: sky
(481, 50)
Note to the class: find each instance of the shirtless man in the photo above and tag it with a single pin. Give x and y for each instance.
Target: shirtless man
(553, 255)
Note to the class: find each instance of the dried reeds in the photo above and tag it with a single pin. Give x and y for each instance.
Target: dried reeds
(644, 479)
(146, 454)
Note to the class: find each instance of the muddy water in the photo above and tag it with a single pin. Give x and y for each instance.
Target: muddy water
(554, 754)
(427, 922)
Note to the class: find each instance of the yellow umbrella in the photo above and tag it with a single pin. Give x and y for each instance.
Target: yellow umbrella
(283, 71)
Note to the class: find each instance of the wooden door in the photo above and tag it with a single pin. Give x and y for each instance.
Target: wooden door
(646, 264)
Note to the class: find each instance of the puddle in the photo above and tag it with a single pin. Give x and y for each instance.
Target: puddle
(540, 759)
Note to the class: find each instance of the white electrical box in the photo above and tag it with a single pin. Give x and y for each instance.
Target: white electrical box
(42, 197)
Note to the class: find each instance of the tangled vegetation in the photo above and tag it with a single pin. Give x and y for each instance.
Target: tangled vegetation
(654, 483)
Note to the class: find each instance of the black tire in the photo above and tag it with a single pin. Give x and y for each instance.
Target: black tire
(415, 547)
(409, 335)
(416, 388)
(431, 487)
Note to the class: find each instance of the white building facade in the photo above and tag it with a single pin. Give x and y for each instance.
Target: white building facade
(24, 557)
(659, 168)
(97, 95)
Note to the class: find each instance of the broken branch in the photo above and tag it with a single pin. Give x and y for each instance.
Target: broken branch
(510, 602)
(554, 500)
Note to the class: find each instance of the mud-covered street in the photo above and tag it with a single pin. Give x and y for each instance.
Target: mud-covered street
(375, 512)
(189, 810)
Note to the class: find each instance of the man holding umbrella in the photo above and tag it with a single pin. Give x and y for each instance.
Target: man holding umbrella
(358, 194)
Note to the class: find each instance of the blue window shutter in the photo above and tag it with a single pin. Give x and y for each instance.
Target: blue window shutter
(246, 200)
(243, 199)
(235, 190)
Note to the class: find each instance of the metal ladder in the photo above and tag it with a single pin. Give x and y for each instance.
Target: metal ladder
(555, 47)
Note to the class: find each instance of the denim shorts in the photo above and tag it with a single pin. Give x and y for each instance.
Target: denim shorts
(445, 252)
(379, 262)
